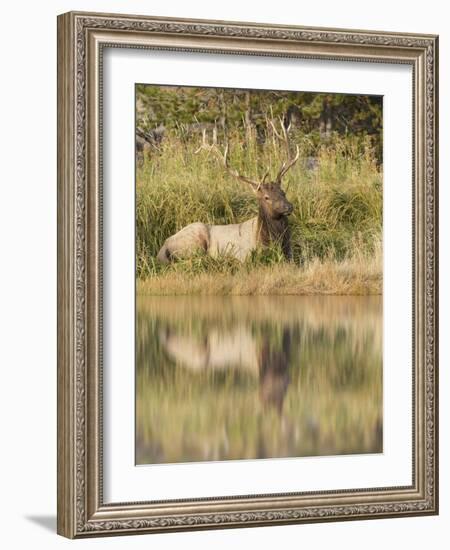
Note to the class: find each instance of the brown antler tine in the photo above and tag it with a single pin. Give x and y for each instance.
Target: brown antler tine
(235, 173)
(290, 161)
(287, 166)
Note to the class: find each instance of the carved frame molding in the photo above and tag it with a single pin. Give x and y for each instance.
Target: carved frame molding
(81, 39)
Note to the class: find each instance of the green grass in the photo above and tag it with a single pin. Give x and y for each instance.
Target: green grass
(336, 222)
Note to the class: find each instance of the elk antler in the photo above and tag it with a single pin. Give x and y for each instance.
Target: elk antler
(224, 158)
(287, 165)
(255, 184)
(285, 139)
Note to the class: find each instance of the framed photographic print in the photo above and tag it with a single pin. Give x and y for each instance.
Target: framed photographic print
(247, 276)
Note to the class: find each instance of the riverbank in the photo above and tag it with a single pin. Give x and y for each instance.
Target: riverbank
(353, 276)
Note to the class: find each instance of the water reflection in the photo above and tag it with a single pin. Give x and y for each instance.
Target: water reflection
(235, 348)
(255, 377)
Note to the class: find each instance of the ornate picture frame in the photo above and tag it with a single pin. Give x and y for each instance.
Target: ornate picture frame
(82, 38)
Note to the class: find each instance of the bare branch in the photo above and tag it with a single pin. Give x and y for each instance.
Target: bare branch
(275, 131)
(204, 145)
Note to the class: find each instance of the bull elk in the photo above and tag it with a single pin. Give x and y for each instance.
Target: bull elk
(240, 239)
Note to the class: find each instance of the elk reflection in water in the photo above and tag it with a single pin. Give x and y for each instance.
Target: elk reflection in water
(236, 348)
(236, 377)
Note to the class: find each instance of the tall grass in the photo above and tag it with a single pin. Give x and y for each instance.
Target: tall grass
(335, 227)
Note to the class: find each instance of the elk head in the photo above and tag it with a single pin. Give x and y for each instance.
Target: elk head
(271, 197)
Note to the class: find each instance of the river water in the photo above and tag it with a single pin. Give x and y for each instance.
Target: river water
(226, 378)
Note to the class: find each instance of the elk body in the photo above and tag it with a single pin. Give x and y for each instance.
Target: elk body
(238, 240)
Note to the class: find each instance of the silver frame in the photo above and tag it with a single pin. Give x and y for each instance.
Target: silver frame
(81, 40)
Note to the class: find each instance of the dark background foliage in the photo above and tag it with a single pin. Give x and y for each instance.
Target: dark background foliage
(191, 110)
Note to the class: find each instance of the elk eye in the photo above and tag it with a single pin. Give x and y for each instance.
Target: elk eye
(267, 197)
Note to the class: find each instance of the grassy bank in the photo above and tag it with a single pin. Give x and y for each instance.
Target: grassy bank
(352, 276)
(335, 226)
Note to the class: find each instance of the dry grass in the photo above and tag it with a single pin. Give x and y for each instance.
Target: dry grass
(358, 275)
